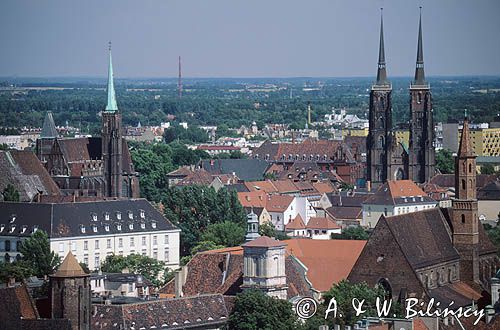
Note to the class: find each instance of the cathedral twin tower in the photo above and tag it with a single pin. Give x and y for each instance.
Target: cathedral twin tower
(387, 158)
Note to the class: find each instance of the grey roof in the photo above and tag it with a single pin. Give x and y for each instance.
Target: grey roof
(381, 73)
(49, 127)
(490, 192)
(245, 169)
(419, 70)
(68, 219)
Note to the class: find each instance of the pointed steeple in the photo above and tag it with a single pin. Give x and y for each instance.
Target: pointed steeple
(111, 106)
(49, 127)
(465, 149)
(419, 70)
(70, 268)
(381, 72)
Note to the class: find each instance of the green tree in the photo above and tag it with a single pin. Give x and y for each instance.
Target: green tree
(354, 233)
(344, 292)
(268, 229)
(487, 169)
(225, 233)
(18, 269)
(38, 256)
(205, 246)
(10, 194)
(138, 264)
(253, 310)
(445, 161)
(493, 234)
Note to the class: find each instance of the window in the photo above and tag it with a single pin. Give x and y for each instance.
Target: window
(97, 262)
(94, 217)
(82, 228)
(463, 218)
(86, 260)
(106, 228)
(165, 239)
(85, 245)
(142, 214)
(167, 255)
(108, 243)
(143, 252)
(94, 228)
(119, 227)
(155, 240)
(7, 245)
(61, 247)
(130, 287)
(120, 242)
(153, 224)
(143, 225)
(155, 254)
(131, 226)
(73, 246)
(97, 244)
(131, 241)
(119, 215)
(106, 216)
(130, 215)
(143, 240)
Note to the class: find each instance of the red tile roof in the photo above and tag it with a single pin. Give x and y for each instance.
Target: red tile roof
(296, 223)
(278, 203)
(264, 241)
(321, 223)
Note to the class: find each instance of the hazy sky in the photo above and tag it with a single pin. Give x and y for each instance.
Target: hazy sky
(250, 38)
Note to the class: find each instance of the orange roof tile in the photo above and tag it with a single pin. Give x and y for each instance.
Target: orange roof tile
(321, 223)
(323, 187)
(266, 186)
(328, 261)
(264, 241)
(278, 203)
(296, 223)
(285, 186)
(253, 199)
(404, 188)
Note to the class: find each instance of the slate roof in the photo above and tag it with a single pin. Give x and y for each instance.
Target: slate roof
(49, 127)
(68, 219)
(448, 180)
(345, 212)
(459, 292)
(491, 191)
(351, 201)
(204, 311)
(424, 237)
(198, 177)
(245, 169)
(23, 170)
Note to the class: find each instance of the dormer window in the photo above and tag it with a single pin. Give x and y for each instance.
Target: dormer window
(94, 217)
(106, 228)
(119, 215)
(131, 226)
(12, 228)
(35, 228)
(94, 228)
(143, 225)
(153, 224)
(142, 214)
(2, 226)
(106, 216)
(12, 218)
(23, 229)
(119, 227)
(130, 215)
(82, 228)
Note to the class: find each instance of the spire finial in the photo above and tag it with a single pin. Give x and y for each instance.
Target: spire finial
(419, 70)
(111, 105)
(465, 114)
(381, 72)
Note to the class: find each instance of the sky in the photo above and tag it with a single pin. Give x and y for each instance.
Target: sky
(246, 38)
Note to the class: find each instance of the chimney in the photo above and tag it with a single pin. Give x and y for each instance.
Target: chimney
(368, 185)
(179, 281)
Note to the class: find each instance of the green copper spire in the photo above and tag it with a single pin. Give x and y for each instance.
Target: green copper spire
(111, 106)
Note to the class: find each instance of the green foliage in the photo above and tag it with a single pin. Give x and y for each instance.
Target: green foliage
(85, 267)
(253, 310)
(225, 233)
(38, 256)
(194, 208)
(138, 264)
(268, 229)
(205, 246)
(190, 135)
(445, 162)
(10, 194)
(487, 169)
(354, 233)
(4, 146)
(18, 269)
(344, 292)
(493, 233)
(346, 186)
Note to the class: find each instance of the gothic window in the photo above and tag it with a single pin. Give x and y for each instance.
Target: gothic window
(419, 98)
(463, 184)
(463, 168)
(470, 168)
(399, 174)
(381, 122)
(470, 183)
(387, 287)
(463, 218)
(381, 141)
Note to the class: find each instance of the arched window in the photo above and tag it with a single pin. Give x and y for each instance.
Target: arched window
(470, 168)
(381, 141)
(470, 183)
(384, 283)
(463, 184)
(463, 218)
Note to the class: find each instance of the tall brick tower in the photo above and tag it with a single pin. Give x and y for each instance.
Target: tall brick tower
(112, 140)
(465, 218)
(379, 141)
(421, 148)
(70, 294)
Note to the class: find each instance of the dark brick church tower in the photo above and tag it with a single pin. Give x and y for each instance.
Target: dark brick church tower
(112, 141)
(379, 141)
(421, 148)
(465, 215)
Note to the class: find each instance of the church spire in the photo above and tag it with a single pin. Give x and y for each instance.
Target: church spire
(465, 149)
(381, 72)
(419, 70)
(111, 106)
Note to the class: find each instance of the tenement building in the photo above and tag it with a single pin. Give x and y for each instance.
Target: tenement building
(388, 158)
(92, 230)
(434, 253)
(91, 166)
